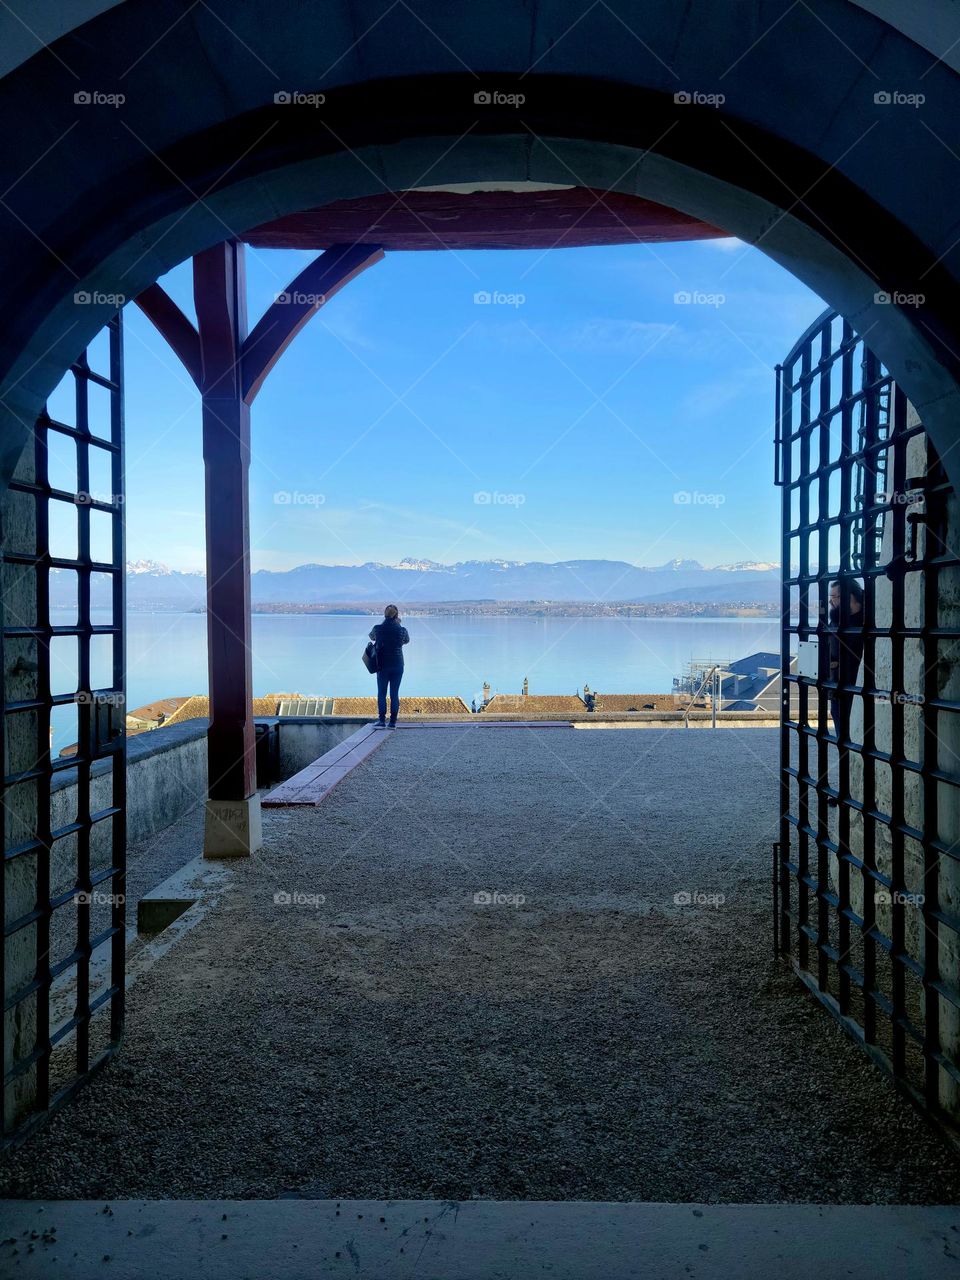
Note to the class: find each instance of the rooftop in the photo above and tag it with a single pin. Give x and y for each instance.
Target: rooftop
(644, 701)
(412, 705)
(197, 706)
(533, 703)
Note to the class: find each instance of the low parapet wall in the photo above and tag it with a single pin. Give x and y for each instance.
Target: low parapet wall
(167, 767)
(166, 776)
(580, 719)
(167, 770)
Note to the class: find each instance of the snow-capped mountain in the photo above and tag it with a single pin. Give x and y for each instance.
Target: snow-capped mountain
(418, 566)
(749, 566)
(680, 566)
(159, 570)
(151, 585)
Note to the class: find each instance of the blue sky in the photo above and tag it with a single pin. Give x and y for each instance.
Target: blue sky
(580, 411)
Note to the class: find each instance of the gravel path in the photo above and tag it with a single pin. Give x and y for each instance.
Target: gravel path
(594, 1041)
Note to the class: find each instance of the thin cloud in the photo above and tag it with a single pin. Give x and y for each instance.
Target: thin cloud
(614, 335)
(709, 398)
(598, 334)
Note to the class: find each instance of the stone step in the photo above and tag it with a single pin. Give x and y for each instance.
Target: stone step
(172, 897)
(292, 1239)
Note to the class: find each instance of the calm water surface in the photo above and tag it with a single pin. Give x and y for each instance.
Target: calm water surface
(320, 655)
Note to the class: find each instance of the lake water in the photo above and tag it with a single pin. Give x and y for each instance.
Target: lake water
(320, 655)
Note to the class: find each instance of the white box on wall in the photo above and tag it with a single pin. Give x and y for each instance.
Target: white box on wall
(808, 659)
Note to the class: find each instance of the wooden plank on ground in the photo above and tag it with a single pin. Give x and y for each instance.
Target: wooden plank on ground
(315, 782)
(480, 723)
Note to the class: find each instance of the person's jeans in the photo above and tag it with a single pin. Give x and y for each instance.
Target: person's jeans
(841, 706)
(391, 678)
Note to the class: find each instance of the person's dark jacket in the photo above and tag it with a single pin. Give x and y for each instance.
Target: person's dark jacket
(846, 651)
(389, 637)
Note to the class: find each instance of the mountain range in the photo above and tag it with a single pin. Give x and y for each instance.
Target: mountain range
(151, 585)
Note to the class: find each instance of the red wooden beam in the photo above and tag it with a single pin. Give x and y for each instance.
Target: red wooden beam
(220, 293)
(220, 296)
(157, 305)
(282, 321)
(560, 217)
(229, 367)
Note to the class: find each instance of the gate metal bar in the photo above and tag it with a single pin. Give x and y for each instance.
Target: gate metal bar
(48, 1054)
(865, 873)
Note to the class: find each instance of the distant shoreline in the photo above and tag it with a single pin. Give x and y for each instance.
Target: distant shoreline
(521, 609)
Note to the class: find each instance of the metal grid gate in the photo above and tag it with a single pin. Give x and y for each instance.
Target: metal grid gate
(64, 815)
(866, 876)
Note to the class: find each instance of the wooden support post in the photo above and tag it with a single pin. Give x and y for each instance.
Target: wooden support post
(229, 367)
(233, 806)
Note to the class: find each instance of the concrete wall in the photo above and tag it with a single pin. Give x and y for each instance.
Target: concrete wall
(304, 738)
(21, 659)
(166, 776)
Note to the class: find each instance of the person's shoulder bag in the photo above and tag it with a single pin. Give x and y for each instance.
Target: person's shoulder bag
(369, 657)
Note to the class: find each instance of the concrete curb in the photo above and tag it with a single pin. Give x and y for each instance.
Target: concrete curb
(476, 1240)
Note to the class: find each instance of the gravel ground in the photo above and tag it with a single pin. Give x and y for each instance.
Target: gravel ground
(593, 1041)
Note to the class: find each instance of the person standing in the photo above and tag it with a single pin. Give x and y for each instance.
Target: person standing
(846, 649)
(389, 637)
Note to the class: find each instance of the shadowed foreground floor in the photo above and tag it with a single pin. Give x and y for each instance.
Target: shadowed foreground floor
(580, 1036)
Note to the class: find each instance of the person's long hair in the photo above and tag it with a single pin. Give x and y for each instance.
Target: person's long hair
(392, 612)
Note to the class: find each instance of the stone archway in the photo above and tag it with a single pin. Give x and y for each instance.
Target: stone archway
(157, 129)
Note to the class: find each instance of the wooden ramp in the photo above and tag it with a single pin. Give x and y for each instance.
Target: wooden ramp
(314, 783)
